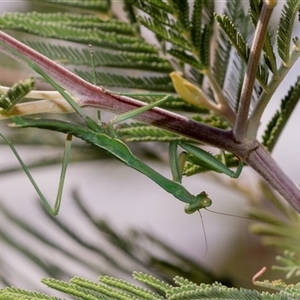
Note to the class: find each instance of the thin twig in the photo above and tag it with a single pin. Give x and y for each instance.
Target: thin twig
(240, 127)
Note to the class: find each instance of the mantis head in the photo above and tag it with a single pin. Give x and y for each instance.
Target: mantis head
(199, 201)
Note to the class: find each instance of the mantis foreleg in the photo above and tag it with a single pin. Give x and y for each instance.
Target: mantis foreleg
(177, 165)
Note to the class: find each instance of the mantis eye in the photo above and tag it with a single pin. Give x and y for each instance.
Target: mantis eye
(206, 202)
(200, 201)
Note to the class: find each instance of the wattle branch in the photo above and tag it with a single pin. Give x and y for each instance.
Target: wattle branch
(88, 95)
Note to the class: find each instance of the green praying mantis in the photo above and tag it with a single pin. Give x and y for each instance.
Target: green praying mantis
(104, 136)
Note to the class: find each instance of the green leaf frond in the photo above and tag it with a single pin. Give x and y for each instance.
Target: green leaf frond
(134, 291)
(175, 103)
(277, 224)
(281, 117)
(212, 120)
(153, 282)
(70, 289)
(159, 11)
(182, 55)
(196, 23)
(239, 42)
(152, 6)
(111, 288)
(150, 83)
(72, 20)
(129, 9)
(99, 5)
(255, 7)
(280, 285)
(187, 27)
(165, 33)
(234, 36)
(181, 13)
(71, 31)
(12, 293)
(204, 52)
(290, 264)
(140, 132)
(16, 93)
(233, 84)
(228, 68)
(202, 22)
(192, 166)
(285, 29)
(109, 58)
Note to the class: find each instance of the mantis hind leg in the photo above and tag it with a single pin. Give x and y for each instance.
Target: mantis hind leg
(52, 211)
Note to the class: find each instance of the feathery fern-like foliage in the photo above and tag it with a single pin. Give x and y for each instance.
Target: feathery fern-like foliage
(285, 28)
(111, 33)
(16, 93)
(150, 83)
(98, 5)
(280, 118)
(240, 44)
(140, 132)
(112, 288)
(119, 59)
(135, 132)
(290, 264)
(279, 225)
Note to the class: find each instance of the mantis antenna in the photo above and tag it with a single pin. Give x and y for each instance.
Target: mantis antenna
(204, 233)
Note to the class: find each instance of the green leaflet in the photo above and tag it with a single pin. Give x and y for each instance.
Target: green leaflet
(140, 132)
(99, 5)
(16, 93)
(240, 44)
(167, 34)
(175, 103)
(150, 83)
(281, 116)
(230, 78)
(159, 11)
(277, 224)
(234, 36)
(182, 55)
(285, 28)
(109, 58)
(290, 264)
